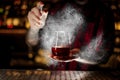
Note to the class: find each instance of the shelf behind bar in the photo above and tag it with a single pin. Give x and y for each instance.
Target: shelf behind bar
(13, 31)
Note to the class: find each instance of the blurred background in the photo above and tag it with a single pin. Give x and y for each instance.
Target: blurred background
(14, 51)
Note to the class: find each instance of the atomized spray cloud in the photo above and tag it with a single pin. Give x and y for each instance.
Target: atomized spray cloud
(69, 20)
(94, 51)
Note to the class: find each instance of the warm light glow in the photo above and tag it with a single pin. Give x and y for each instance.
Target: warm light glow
(42, 60)
(118, 58)
(27, 24)
(24, 7)
(117, 50)
(113, 7)
(9, 23)
(117, 40)
(8, 7)
(17, 2)
(117, 25)
(43, 53)
(30, 55)
(38, 59)
(16, 21)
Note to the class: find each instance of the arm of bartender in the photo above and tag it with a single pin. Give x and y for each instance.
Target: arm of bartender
(93, 44)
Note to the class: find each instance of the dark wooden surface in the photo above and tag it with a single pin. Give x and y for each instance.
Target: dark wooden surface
(7, 74)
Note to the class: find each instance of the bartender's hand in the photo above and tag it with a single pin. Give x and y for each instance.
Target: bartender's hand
(37, 16)
(72, 54)
(74, 51)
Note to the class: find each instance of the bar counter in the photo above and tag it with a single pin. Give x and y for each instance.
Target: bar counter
(15, 74)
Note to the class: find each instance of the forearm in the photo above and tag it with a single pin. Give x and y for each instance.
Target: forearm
(37, 18)
(32, 36)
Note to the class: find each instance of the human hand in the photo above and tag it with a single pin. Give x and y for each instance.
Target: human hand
(37, 16)
(74, 52)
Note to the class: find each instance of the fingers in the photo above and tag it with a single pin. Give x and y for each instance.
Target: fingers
(33, 17)
(74, 51)
(61, 57)
(37, 16)
(35, 11)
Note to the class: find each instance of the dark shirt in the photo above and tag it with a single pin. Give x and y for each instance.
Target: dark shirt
(95, 40)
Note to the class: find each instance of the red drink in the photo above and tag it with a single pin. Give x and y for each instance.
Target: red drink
(61, 52)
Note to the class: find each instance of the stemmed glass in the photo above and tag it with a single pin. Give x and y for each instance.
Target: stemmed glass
(61, 45)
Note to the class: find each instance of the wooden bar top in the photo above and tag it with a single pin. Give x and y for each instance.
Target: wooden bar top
(13, 74)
